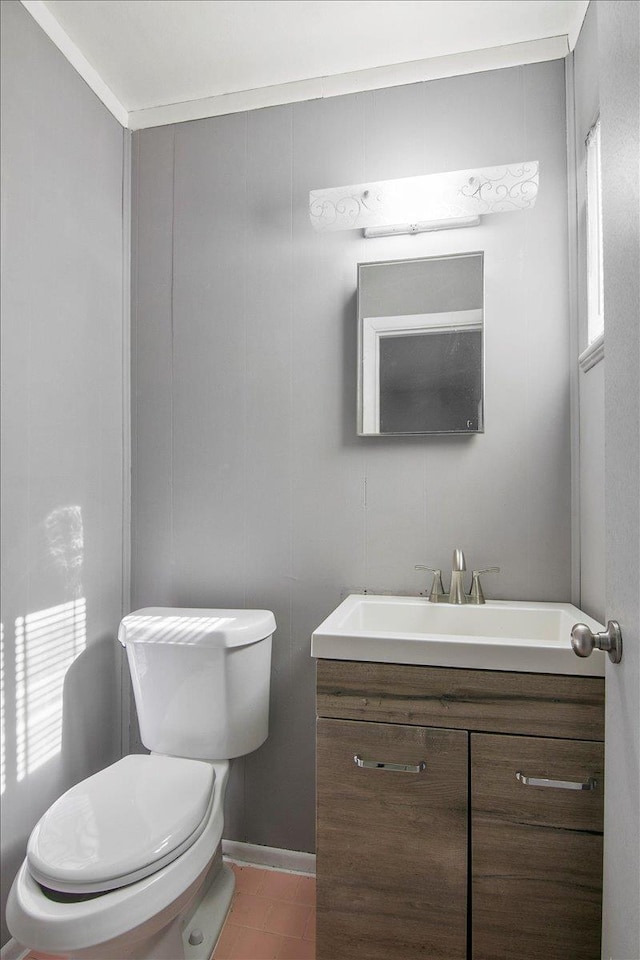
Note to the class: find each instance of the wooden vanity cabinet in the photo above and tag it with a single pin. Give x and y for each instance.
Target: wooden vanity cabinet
(536, 850)
(461, 860)
(392, 845)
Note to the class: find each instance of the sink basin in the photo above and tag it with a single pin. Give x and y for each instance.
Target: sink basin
(530, 637)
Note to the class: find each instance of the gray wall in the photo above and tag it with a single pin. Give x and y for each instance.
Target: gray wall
(591, 382)
(250, 485)
(62, 437)
(619, 59)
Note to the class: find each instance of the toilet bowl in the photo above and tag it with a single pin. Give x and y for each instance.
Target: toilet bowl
(127, 864)
(115, 922)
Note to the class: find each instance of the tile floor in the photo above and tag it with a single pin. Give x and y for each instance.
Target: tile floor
(272, 917)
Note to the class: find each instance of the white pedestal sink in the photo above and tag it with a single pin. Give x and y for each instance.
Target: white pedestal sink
(530, 637)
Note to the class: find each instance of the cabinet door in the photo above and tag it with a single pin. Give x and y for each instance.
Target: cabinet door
(391, 844)
(536, 850)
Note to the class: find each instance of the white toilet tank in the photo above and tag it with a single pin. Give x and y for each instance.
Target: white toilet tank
(200, 679)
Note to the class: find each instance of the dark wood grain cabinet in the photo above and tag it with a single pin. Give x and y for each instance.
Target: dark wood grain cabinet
(460, 860)
(392, 845)
(536, 852)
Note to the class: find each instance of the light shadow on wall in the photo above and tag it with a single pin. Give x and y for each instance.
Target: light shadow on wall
(36, 656)
(46, 644)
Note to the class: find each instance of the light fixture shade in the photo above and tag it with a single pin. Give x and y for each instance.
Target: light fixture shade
(438, 196)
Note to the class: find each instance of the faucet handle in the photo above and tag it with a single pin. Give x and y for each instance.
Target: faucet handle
(476, 595)
(437, 594)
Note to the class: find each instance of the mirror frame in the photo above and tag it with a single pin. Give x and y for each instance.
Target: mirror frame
(363, 337)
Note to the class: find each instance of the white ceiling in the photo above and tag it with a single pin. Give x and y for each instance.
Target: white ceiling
(150, 53)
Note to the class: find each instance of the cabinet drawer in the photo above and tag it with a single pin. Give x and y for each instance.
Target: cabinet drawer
(391, 845)
(534, 704)
(536, 850)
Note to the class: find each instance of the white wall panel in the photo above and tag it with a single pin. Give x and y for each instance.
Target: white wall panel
(62, 429)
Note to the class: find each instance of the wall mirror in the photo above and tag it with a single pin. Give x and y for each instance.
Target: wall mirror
(420, 346)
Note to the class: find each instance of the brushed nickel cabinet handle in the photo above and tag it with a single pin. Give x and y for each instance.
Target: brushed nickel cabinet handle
(589, 784)
(379, 765)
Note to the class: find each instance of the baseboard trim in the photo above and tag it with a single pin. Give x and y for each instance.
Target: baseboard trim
(273, 858)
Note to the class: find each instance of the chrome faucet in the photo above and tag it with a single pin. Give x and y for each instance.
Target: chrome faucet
(458, 567)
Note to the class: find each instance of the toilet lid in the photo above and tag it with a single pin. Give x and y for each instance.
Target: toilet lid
(121, 824)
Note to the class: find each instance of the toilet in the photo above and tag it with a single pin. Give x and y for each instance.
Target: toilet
(127, 865)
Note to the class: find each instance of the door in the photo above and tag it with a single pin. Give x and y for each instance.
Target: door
(391, 844)
(536, 848)
(618, 43)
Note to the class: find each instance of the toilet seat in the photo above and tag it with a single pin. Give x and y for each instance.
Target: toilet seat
(122, 824)
(67, 926)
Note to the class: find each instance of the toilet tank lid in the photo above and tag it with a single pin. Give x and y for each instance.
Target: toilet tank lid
(220, 628)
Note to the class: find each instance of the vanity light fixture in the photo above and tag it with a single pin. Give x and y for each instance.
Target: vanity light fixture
(425, 226)
(433, 202)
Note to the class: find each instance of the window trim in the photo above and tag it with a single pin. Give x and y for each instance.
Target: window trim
(595, 265)
(593, 354)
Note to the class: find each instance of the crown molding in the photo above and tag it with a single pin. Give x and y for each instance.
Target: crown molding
(45, 19)
(357, 81)
(578, 19)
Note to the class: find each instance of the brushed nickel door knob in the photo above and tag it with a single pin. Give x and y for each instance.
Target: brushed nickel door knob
(584, 641)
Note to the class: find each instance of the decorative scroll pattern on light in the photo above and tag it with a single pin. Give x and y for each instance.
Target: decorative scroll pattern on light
(336, 209)
(502, 189)
(439, 196)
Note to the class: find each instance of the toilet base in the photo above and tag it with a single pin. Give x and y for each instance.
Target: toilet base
(203, 913)
(209, 913)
